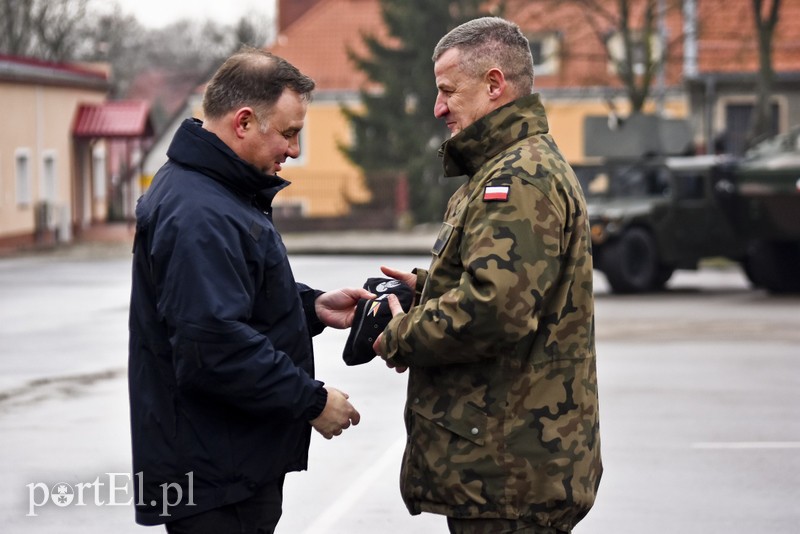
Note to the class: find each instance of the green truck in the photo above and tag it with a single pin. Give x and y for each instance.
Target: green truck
(652, 215)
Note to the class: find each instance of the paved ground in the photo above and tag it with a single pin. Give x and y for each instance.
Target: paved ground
(700, 424)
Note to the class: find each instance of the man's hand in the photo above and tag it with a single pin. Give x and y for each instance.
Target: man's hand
(409, 279)
(395, 307)
(337, 308)
(338, 414)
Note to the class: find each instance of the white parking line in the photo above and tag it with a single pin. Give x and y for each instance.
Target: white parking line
(747, 445)
(351, 496)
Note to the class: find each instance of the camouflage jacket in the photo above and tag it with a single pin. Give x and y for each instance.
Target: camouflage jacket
(502, 410)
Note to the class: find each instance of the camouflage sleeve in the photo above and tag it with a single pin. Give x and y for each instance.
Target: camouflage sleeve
(500, 264)
(422, 277)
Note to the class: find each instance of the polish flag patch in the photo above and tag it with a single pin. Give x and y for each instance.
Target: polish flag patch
(497, 193)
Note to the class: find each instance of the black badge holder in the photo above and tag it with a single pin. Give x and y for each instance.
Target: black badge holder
(372, 316)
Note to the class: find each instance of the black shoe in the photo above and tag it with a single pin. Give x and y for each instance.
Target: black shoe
(372, 316)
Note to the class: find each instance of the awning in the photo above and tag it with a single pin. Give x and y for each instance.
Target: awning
(114, 119)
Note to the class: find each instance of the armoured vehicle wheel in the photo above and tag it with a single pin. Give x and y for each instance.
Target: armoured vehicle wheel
(747, 267)
(631, 263)
(775, 266)
(664, 274)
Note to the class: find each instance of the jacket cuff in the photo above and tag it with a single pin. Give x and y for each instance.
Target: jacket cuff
(320, 400)
(309, 297)
(390, 344)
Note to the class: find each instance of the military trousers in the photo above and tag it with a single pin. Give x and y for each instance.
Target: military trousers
(497, 526)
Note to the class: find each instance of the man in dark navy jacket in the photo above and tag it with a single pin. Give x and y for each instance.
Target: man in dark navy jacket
(221, 368)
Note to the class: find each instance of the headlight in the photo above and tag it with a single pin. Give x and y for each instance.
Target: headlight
(603, 228)
(599, 234)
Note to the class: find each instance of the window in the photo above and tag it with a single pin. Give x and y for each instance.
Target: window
(545, 51)
(49, 181)
(23, 176)
(689, 186)
(593, 179)
(638, 52)
(99, 173)
(738, 117)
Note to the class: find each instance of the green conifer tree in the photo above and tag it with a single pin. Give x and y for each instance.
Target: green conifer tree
(396, 133)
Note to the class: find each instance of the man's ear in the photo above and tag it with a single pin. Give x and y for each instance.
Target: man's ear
(244, 120)
(495, 83)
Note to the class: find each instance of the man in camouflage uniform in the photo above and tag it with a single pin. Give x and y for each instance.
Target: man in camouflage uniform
(502, 409)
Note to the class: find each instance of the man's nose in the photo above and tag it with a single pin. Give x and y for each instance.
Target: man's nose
(440, 108)
(293, 151)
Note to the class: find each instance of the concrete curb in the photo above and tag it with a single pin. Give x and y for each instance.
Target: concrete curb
(360, 243)
(117, 240)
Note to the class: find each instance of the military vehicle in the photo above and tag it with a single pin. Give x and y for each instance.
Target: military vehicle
(652, 215)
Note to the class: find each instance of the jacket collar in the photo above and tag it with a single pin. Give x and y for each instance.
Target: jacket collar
(197, 148)
(469, 149)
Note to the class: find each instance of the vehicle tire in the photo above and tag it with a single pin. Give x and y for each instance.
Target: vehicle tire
(664, 274)
(747, 267)
(775, 266)
(631, 263)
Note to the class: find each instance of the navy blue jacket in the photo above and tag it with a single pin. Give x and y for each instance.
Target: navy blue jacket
(220, 356)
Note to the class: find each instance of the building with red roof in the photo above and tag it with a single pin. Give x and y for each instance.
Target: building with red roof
(709, 78)
(57, 150)
(709, 81)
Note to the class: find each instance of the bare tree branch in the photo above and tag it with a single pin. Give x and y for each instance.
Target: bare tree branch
(761, 121)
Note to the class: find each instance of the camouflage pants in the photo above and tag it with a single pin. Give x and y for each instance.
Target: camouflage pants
(497, 526)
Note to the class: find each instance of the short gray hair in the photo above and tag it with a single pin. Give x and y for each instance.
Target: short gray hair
(489, 42)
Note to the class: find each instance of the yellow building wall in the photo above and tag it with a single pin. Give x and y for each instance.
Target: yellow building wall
(38, 120)
(324, 182)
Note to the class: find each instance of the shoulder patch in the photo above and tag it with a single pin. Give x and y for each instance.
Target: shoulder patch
(496, 193)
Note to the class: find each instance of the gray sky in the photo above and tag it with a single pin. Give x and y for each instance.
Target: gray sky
(159, 13)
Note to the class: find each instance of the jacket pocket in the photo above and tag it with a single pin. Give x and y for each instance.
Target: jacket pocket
(466, 420)
(447, 460)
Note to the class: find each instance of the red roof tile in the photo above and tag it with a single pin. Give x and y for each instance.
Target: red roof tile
(30, 70)
(122, 118)
(317, 42)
